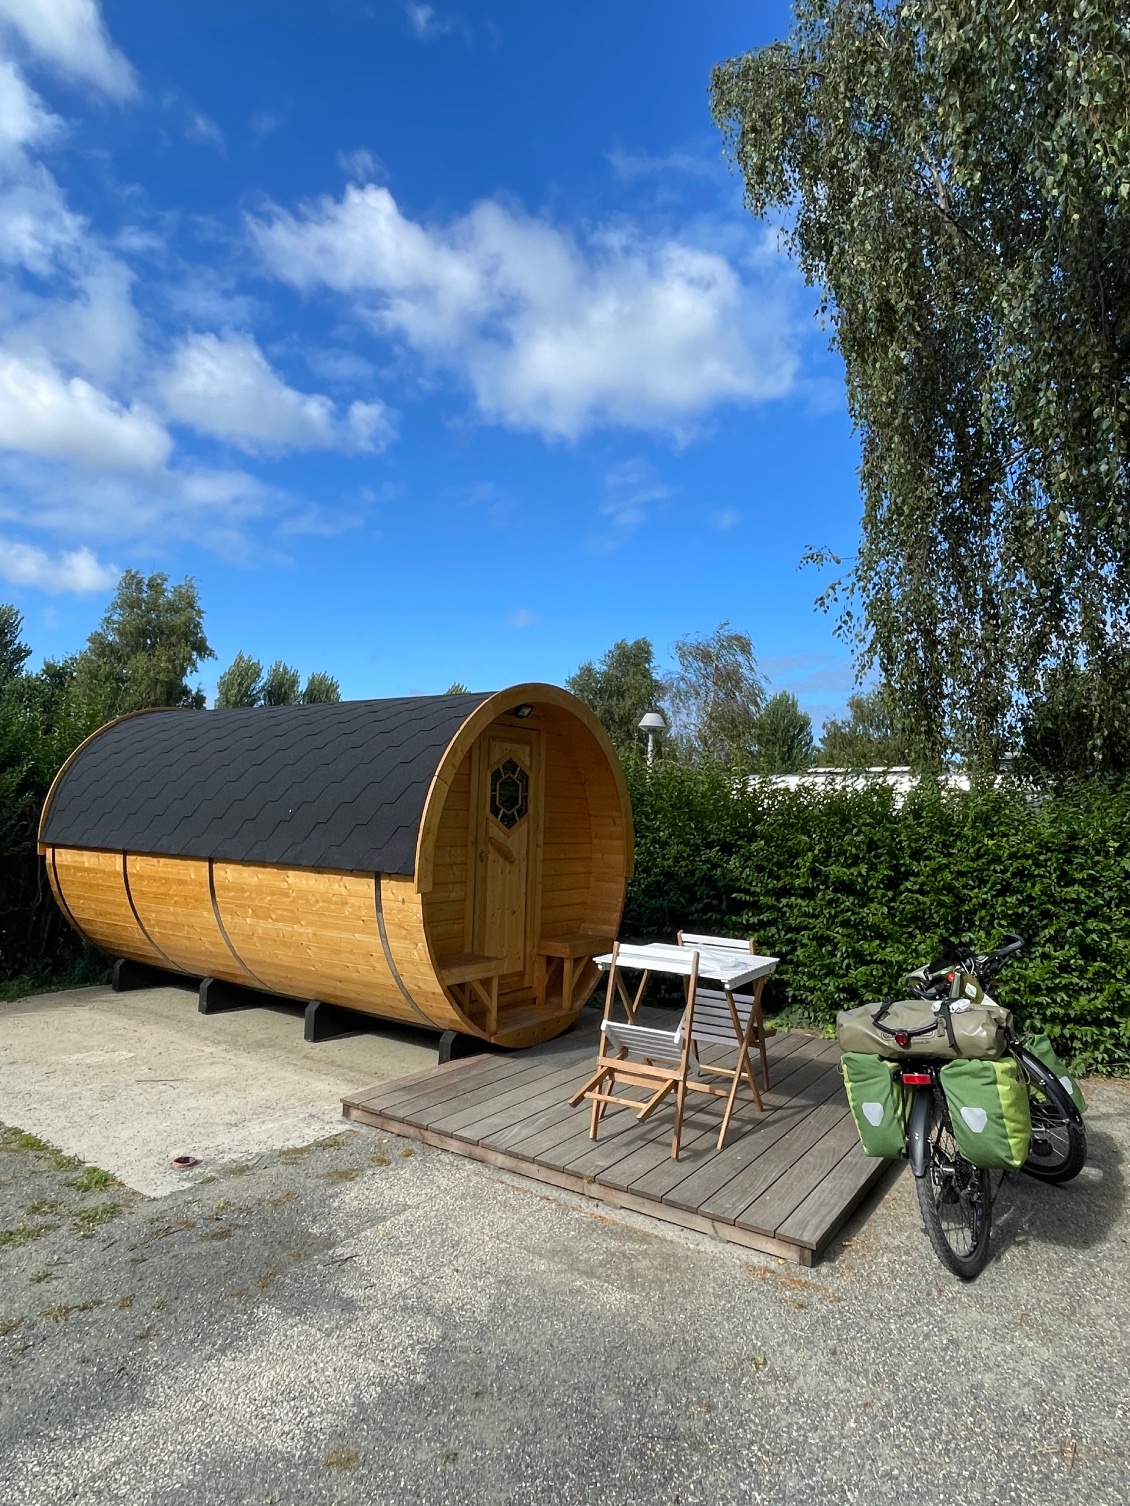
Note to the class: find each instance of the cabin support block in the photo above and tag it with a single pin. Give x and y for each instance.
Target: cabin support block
(453, 1044)
(217, 995)
(128, 974)
(324, 1021)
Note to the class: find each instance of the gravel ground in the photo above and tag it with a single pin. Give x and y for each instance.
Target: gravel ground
(368, 1321)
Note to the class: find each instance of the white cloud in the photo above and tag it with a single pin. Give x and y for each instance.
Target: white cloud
(223, 386)
(77, 570)
(203, 129)
(47, 414)
(35, 223)
(70, 37)
(263, 124)
(214, 508)
(628, 165)
(24, 119)
(630, 486)
(361, 165)
(552, 335)
(426, 24)
(523, 618)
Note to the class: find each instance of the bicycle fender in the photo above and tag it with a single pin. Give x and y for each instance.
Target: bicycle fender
(918, 1131)
(1033, 1067)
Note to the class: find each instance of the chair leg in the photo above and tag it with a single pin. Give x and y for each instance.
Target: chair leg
(654, 1101)
(761, 1045)
(594, 1081)
(680, 1100)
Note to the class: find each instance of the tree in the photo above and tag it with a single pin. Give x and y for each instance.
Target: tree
(783, 736)
(241, 684)
(1074, 727)
(151, 639)
(620, 689)
(320, 687)
(13, 653)
(280, 685)
(244, 684)
(954, 180)
(868, 737)
(717, 694)
(456, 688)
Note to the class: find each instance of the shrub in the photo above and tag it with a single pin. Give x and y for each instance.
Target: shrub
(851, 890)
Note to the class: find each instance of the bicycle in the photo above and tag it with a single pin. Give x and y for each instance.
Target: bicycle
(954, 1195)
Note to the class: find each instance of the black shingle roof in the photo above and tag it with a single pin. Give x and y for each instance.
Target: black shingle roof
(327, 786)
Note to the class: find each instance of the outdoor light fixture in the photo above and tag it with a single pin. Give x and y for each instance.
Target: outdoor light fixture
(653, 724)
(523, 710)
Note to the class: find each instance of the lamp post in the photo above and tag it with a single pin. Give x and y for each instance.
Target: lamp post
(652, 723)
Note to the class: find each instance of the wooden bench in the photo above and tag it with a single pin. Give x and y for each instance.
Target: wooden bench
(471, 976)
(568, 951)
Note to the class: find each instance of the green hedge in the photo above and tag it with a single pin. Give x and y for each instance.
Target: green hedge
(850, 890)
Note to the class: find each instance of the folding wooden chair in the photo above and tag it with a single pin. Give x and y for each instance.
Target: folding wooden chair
(747, 1007)
(639, 1056)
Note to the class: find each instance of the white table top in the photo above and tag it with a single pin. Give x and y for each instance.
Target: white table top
(731, 969)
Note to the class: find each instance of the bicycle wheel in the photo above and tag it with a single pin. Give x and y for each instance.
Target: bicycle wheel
(1059, 1139)
(954, 1200)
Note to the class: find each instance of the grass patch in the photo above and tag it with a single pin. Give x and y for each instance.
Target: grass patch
(342, 1458)
(15, 1140)
(343, 1174)
(23, 1234)
(92, 1179)
(82, 973)
(42, 1207)
(58, 1314)
(86, 1220)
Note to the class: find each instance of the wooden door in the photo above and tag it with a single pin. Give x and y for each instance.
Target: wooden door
(508, 850)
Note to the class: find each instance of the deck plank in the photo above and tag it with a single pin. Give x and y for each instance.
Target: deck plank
(783, 1184)
(825, 1208)
(736, 1196)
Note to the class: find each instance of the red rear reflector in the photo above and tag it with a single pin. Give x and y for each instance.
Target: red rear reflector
(901, 1038)
(916, 1079)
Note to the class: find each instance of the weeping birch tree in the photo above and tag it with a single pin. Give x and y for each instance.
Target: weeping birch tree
(954, 176)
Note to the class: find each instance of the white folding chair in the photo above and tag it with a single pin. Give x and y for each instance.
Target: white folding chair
(747, 1007)
(639, 1056)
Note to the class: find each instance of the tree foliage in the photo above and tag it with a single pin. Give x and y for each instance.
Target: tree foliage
(868, 737)
(241, 684)
(244, 684)
(783, 736)
(620, 689)
(1076, 727)
(14, 653)
(150, 640)
(716, 695)
(955, 177)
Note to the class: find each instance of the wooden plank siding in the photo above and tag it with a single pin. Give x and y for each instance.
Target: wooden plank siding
(784, 1184)
(375, 941)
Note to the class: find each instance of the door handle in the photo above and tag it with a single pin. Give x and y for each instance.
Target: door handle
(502, 850)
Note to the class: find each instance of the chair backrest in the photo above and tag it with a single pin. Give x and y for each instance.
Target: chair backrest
(645, 1041)
(711, 1019)
(745, 945)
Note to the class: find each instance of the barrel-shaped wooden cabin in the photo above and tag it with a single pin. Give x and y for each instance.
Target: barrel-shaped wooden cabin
(451, 861)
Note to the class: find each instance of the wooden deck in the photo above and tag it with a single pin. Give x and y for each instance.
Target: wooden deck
(784, 1183)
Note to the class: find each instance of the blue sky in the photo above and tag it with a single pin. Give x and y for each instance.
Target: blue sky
(433, 341)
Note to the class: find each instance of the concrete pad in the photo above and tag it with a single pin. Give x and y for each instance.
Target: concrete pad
(127, 1081)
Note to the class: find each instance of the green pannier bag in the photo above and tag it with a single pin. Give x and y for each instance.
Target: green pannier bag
(980, 1030)
(878, 1103)
(988, 1104)
(1041, 1047)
